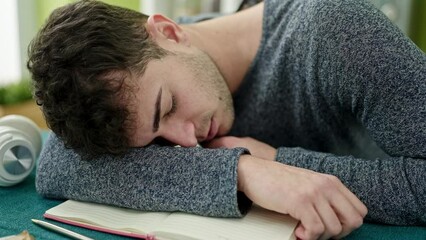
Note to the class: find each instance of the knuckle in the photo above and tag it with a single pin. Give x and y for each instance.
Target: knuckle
(356, 222)
(335, 229)
(308, 195)
(364, 211)
(334, 179)
(317, 229)
(325, 183)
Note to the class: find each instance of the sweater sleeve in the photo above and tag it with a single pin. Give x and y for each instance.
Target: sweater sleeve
(376, 75)
(393, 189)
(155, 178)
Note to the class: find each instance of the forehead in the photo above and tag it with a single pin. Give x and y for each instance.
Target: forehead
(167, 73)
(155, 76)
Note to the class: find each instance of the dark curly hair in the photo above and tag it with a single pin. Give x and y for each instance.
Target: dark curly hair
(82, 63)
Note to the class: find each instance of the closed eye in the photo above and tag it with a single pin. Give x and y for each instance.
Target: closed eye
(172, 109)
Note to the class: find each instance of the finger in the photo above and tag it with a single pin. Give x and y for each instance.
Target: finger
(332, 224)
(299, 231)
(311, 225)
(349, 217)
(359, 206)
(214, 143)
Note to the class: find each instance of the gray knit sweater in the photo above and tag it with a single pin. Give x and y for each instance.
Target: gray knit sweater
(334, 86)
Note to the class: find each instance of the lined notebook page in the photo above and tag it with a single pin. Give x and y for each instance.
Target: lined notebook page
(110, 217)
(259, 223)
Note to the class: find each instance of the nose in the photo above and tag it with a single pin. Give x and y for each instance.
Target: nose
(181, 134)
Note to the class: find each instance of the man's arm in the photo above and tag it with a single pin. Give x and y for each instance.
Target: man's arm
(194, 180)
(324, 206)
(375, 74)
(393, 189)
(363, 68)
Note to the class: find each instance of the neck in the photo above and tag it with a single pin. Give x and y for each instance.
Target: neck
(231, 41)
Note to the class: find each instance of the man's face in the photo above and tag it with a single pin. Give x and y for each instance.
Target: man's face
(183, 99)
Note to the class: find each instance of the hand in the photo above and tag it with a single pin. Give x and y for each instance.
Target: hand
(256, 148)
(324, 206)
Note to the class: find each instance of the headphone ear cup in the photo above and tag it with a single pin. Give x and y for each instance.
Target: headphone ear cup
(27, 127)
(20, 146)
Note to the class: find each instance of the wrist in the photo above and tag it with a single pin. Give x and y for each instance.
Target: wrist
(242, 170)
(273, 154)
(247, 167)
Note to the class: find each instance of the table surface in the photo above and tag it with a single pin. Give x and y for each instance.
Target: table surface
(21, 203)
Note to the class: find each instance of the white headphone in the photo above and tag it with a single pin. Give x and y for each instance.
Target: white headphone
(20, 145)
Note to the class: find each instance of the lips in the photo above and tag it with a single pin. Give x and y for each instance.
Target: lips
(213, 130)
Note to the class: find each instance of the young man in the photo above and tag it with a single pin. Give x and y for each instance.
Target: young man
(286, 97)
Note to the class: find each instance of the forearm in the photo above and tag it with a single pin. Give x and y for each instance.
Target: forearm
(392, 189)
(322, 204)
(194, 180)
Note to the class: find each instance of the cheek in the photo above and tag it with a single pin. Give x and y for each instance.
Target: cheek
(194, 97)
(195, 103)
(140, 138)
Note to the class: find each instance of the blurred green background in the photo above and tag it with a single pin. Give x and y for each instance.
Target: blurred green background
(45, 7)
(417, 29)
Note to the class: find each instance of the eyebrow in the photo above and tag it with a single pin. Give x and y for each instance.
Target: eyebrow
(156, 122)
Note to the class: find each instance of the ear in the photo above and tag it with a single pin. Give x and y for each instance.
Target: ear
(161, 27)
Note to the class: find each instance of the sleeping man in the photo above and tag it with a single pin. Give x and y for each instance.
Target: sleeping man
(313, 108)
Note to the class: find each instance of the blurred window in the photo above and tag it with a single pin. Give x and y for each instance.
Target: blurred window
(9, 47)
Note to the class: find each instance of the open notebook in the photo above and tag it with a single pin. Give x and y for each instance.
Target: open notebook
(259, 223)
